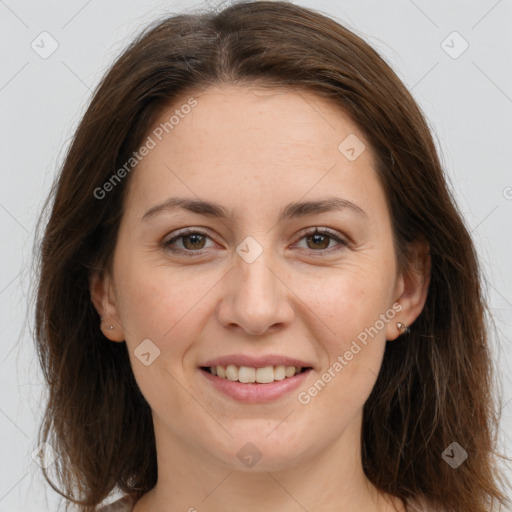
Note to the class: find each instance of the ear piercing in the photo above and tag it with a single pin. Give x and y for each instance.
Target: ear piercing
(110, 327)
(402, 328)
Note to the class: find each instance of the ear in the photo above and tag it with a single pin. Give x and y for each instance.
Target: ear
(411, 287)
(103, 298)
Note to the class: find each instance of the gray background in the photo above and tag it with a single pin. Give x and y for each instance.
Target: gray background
(467, 99)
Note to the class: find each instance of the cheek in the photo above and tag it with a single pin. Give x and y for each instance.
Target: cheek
(162, 303)
(356, 308)
(349, 300)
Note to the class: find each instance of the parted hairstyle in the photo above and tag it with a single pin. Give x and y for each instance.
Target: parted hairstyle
(436, 384)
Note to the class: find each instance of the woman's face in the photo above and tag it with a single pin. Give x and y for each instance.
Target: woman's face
(255, 290)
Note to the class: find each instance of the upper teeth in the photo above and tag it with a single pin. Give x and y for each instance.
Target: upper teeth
(247, 374)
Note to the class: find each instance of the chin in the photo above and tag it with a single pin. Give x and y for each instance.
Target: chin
(262, 449)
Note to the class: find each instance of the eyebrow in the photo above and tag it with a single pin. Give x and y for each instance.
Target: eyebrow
(292, 210)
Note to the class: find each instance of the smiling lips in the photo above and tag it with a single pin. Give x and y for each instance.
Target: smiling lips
(252, 391)
(248, 374)
(255, 379)
(250, 369)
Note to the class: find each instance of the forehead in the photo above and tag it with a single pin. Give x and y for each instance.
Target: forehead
(280, 118)
(240, 142)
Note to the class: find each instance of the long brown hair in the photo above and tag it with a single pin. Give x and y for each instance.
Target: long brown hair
(436, 383)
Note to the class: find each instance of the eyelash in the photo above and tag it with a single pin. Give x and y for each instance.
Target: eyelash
(189, 231)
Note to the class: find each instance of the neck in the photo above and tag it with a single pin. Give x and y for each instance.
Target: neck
(332, 479)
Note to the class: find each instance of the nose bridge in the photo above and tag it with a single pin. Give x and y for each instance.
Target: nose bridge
(257, 287)
(257, 297)
(256, 280)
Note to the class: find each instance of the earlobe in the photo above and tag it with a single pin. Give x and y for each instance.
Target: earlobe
(101, 290)
(412, 289)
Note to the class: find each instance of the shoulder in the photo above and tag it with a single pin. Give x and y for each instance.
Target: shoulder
(124, 504)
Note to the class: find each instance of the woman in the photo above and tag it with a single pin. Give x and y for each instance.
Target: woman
(256, 291)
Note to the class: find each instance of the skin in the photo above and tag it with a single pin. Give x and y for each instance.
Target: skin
(254, 151)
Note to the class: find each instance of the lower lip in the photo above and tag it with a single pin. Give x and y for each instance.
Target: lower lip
(254, 392)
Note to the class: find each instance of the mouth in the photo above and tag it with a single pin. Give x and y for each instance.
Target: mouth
(253, 375)
(255, 381)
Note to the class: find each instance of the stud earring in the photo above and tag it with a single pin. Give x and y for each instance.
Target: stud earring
(402, 328)
(110, 327)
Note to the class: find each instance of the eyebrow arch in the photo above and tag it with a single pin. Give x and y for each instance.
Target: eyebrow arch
(292, 210)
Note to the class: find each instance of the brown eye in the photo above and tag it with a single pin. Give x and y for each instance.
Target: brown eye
(192, 241)
(319, 240)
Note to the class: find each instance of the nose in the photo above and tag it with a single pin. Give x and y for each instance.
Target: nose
(256, 298)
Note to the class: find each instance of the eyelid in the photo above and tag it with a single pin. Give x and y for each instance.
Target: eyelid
(310, 231)
(342, 242)
(322, 231)
(176, 235)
